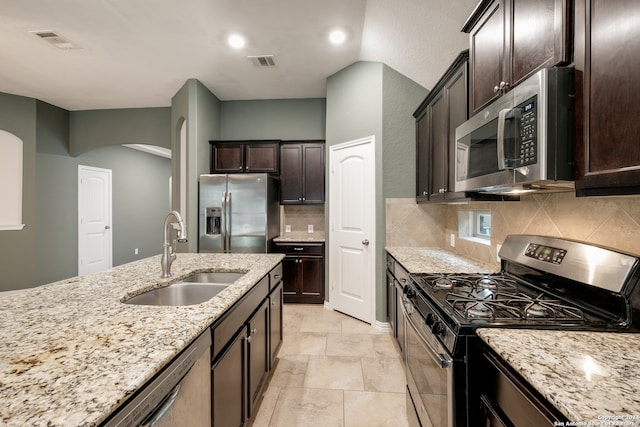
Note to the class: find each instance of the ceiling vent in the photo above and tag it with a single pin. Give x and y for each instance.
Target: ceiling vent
(263, 60)
(55, 40)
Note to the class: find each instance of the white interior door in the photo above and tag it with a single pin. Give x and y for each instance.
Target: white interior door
(94, 220)
(352, 228)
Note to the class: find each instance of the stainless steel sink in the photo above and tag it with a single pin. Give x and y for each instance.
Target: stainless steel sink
(179, 294)
(193, 289)
(213, 277)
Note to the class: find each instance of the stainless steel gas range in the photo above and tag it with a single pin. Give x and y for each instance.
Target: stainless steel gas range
(544, 282)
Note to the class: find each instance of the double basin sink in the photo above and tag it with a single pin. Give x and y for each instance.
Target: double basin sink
(193, 289)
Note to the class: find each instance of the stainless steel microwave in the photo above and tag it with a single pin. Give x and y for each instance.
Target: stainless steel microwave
(523, 141)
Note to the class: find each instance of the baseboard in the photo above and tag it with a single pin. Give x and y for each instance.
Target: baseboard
(382, 326)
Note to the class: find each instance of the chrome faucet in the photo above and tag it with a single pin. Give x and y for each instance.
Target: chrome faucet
(168, 252)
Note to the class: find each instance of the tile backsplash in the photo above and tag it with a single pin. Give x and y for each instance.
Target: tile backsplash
(300, 216)
(607, 221)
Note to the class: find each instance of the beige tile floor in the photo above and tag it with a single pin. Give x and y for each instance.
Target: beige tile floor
(333, 370)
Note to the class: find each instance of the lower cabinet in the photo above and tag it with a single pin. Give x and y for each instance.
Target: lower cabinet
(245, 343)
(397, 276)
(303, 273)
(258, 357)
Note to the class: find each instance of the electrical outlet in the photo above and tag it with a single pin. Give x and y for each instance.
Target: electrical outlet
(287, 228)
(453, 240)
(310, 228)
(135, 251)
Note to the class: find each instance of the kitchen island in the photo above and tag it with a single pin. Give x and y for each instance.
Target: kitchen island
(72, 352)
(593, 378)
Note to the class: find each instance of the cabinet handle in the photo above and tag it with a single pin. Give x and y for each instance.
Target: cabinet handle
(276, 276)
(304, 198)
(403, 280)
(273, 303)
(298, 249)
(496, 89)
(425, 193)
(240, 168)
(254, 331)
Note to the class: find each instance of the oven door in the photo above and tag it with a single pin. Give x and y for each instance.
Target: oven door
(429, 371)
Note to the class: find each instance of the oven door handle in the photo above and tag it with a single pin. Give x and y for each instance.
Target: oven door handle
(444, 360)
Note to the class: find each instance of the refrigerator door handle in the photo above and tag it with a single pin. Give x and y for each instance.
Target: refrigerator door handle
(227, 232)
(223, 227)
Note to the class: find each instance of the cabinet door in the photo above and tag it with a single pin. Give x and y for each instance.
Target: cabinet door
(607, 55)
(400, 318)
(275, 322)
(313, 173)
(539, 30)
(422, 157)
(457, 99)
(227, 158)
(228, 385)
(291, 173)
(258, 354)
(391, 303)
(261, 157)
(291, 278)
(486, 56)
(439, 146)
(312, 279)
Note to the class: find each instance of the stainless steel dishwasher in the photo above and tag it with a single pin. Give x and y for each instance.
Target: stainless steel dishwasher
(179, 396)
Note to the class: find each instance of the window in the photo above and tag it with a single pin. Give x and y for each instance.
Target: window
(475, 226)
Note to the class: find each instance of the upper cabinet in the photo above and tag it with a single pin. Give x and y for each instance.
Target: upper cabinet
(607, 60)
(302, 173)
(510, 40)
(444, 109)
(244, 156)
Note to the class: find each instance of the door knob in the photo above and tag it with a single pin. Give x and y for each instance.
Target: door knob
(107, 227)
(365, 242)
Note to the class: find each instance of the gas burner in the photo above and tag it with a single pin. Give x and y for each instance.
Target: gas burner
(536, 309)
(443, 283)
(478, 310)
(486, 282)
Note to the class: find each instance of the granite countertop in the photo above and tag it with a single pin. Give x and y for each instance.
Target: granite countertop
(71, 352)
(435, 260)
(593, 378)
(301, 237)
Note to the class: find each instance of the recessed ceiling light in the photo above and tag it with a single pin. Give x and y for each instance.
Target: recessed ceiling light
(337, 37)
(236, 41)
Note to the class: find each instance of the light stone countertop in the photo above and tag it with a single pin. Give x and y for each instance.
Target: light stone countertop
(301, 237)
(71, 352)
(590, 377)
(435, 260)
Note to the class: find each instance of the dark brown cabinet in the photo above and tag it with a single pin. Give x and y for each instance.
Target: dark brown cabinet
(244, 156)
(302, 173)
(397, 276)
(607, 60)
(511, 39)
(501, 397)
(245, 343)
(258, 355)
(303, 272)
(444, 109)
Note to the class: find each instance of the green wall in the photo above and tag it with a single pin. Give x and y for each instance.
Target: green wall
(46, 250)
(287, 119)
(369, 98)
(91, 129)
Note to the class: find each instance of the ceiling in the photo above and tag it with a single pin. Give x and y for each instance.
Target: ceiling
(139, 53)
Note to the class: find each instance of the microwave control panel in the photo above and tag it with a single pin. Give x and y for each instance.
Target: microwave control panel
(528, 132)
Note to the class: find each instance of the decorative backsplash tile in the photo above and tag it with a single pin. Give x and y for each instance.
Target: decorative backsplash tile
(300, 216)
(607, 221)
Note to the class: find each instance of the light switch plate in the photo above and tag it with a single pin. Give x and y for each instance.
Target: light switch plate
(310, 228)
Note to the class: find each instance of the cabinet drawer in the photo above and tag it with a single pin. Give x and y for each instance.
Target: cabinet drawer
(237, 315)
(275, 277)
(299, 248)
(401, 274)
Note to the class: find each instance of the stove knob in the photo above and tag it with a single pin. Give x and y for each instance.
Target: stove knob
(437, 328)
(430, 319)
(410, 292)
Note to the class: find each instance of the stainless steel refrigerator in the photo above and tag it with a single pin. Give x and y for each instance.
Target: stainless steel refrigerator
(238, 213)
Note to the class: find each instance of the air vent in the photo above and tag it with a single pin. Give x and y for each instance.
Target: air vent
(263, 60)
(55, 39)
